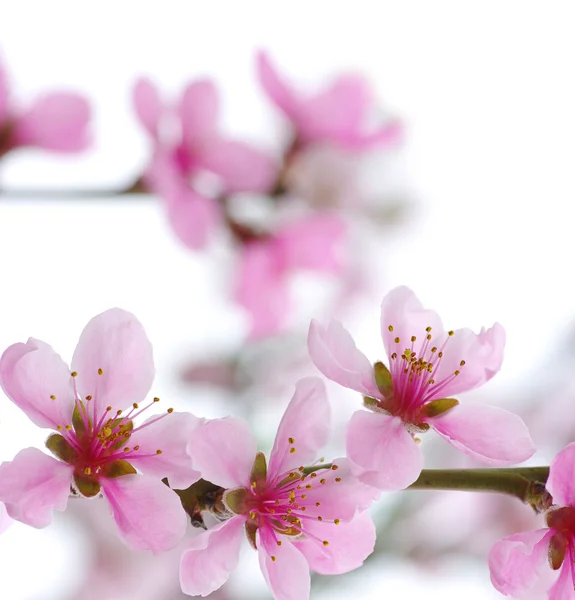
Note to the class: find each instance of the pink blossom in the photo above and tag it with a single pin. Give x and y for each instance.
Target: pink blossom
(337, 115)
(427, 367)
(187, 147)
(57, 121)
(516, 562)
(312, 243)
(297, 519)
(98, 447)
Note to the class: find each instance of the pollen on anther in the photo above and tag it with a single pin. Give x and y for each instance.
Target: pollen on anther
(462, 363)
(334, 467)
(308, 486)
(434, 349)
(303, 496)
(156, 399)
(158, 451)
(338, 479)
(136, 448)
(108, 408)
(325, 543)
(291, 440)
(279, 543)
(273, 558)
(319, 518)
(390, 327)
(394, 355)
(135, 405)
(450, 332)
(254, 484)
(74, 373)
(170, 411)
(87, 471)
(100, 371)
(68, 427)
(322, 481)
(396, 340)
(428, 336)
(52, 397)
(252, 515)
(336, 521)
(291, 450)
(413, 338)
(457, 372)
(59, 428)
(88, 397)
(428, 329)
(126, 449)
(300, 469)
(313, 475)
(431, 382)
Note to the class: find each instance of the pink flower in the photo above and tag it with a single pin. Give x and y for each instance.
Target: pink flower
(262, 286)
(428, 366)
(98, 447)
(296, 519)
(187, 146)
(57, 121)
(338, 115)
(516, 562)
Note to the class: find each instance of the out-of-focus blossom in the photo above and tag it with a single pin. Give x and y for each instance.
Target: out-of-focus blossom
(516, 562)
(339, 115)
(296, 519)
(312, 243)
(56, 121)
(428, 366)
(5, 520)
(98, 447)
(187, 146)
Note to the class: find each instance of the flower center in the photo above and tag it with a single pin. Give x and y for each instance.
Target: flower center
(562, 521)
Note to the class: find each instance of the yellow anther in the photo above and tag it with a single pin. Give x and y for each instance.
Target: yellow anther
(252, 515)
(431, 381)
(74, 373)
(320, 518)
(334, 467)
(87, 471)
(100, 371)
(59, 427)
(126, 449)
(170, 411)
(135, 405)
(428, 336)
(394, 355)
(254, 484)
(292, 495)
(300, 469)
(313, 475)
(434, 349)
(308, 486)
(322, 481)
(303, 496)
(336, 521)
(279, 543)
(158, 451)
(273, 558)
(317, 503)
(68, 427)
(52, 397)
(450, 333)
(292, 450)
(106, 432)
(338, 479)
(156, 399)
(108, 408)
(277, 502)
(118, 413)
(440, 355)
(302, 508)
(136, 447)
(428, 329)
(456, 372)
(325, 543)
(396, 340)
(390, 328)
(291, 440)
(413, 338)
(462, 363)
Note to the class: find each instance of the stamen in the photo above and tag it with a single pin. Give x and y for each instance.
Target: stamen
(74, 373)
(100, 371)
(390, 327)
(52, 397)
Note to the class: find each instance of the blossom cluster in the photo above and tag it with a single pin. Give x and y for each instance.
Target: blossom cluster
(297, 510)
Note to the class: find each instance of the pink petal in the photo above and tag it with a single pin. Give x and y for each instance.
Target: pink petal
(193, 217)
(33, 485)
(242, 168)
(482, 353)
(5, 520)
(211, 557)
(349, 545)
(56, 122)
(116, 343)
(278, 90)
(306, 421)
(148, 513)
(313, 243)
(199, 109)
(402, 310)
(564, 587)
(341, 499)
(381, 451)
(288, 575)
(148, 105)
(335, 354)
(261, 288)
(489, 434)
(30, 374)
(171, 435)
(561, 481)
(4, 93)
(224, 450)
(515, 562)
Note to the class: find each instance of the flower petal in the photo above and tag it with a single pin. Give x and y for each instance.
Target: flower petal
(515, 561)
(482, 353)
(288, 575)
(199, 109)
(561, 481)
(342, 495)
(115, 343)
(148, 105)
(211, 557)
(349, 545)
(224, 450)
(313, 243)
(306, 421)
(148, 513)
(564, 587)
(33, 485)
(489, 434)
(5, 520)
(4, 94)
(403, 312)
(277, 90)
(242, 168)
(382, 453)
(261, 288)
(56, 122)
(171, 435)
(30, 375)
(335, 354)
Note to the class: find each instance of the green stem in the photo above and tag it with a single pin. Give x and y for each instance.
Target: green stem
(525, 483)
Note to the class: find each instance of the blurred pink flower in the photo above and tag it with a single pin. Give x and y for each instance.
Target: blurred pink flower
(56, 121)
(338, 115)
(312, 243)
(187, 146)
(297, 520)
(97, 446)
(427, 367)
(516, 562)
(5, 520)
